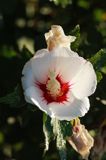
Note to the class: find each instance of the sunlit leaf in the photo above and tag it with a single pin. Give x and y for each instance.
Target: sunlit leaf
(99, 61)
(99, 76)
(104, 69)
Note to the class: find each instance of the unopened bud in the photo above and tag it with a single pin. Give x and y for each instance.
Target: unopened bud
(81, 140)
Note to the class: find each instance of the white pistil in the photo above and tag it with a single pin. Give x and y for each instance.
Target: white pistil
(53, 86)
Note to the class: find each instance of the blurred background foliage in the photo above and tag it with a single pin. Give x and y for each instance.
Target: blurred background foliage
(23, 23)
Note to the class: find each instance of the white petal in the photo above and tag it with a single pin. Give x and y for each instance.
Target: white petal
(62, 111)
(72, 53)
(40, 52)
(84, 84)
(63, 52)
(70, 110)
(27, 78)
(34, 96)
(59, 60)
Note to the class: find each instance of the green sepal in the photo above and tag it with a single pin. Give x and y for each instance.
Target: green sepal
(48, 131)
(58, 130)
(60, 141)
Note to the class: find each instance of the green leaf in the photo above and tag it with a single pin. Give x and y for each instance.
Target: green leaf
(99, 76)
(14, 99)
(76, 32)
(7, 52)
(26, 54)
(66, 128)
(48, 131)
(104, 69)
(99, 59)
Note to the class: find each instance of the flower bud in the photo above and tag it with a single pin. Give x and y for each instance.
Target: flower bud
(81, 140)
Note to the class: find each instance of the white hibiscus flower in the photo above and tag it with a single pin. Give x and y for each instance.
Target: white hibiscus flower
(58, 80)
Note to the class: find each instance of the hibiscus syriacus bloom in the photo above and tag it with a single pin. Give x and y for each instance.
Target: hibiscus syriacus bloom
(58, 80)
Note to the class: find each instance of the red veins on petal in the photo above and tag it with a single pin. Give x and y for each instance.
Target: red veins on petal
(61, 98)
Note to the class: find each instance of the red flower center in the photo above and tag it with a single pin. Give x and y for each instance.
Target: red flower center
(54, 89)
